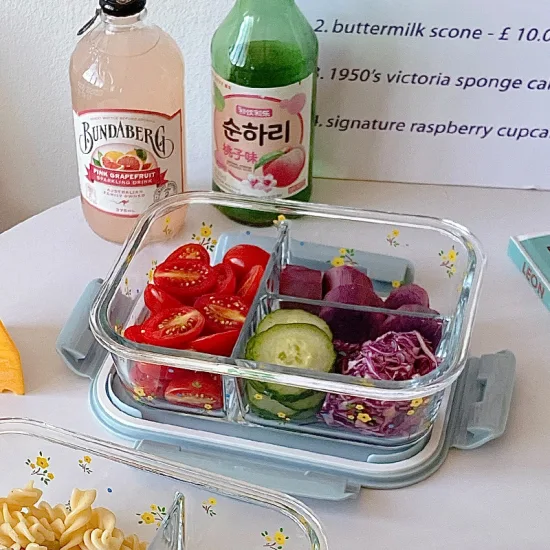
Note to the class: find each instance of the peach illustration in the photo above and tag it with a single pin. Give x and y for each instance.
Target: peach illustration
(295, 104)
(287, 168)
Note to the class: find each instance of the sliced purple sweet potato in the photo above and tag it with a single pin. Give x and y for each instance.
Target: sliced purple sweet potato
(301, 282)
(345, 275)
(430, 329)
(407, 295)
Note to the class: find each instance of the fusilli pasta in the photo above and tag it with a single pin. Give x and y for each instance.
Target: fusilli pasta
(27, 524)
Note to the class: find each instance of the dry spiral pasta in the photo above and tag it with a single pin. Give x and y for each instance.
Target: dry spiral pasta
(27, 524)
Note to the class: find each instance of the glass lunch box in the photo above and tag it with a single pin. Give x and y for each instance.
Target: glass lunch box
(146, 493)
(375, 419)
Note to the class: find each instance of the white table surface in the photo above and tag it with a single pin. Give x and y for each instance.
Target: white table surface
(495, 497)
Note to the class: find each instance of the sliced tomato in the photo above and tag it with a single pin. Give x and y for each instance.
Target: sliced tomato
(134, 333)
(222, 313)
(251, 284)
(145, 384)
(226, 279)
(190, 252)
(173, 328)
(199, 390)
(157, 300)
(221, 344)
(244, 257)
(186, 279)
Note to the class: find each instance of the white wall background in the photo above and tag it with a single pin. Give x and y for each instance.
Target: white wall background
(37, 156)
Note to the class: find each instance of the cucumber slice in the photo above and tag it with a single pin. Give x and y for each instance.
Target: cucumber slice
(267, 407)
(297, 345)
(292, 316)
(313, 403)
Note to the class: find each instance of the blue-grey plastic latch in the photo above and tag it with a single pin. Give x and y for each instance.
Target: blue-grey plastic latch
(299, 483)
(485, 403)
(76, 344)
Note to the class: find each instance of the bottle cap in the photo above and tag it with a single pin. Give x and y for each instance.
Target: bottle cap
(122, 8)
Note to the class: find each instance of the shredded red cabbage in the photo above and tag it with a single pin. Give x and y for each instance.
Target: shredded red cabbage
(393, 356)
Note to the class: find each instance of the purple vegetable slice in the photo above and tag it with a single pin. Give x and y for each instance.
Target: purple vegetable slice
(345, 275)
(430, 328)
(407, 295)
(301, 282)
(348, 325)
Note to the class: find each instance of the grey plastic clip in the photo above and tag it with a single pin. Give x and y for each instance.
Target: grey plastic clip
(76, 344)
(485, 403)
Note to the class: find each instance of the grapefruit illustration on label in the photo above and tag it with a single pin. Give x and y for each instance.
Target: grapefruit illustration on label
(262, 138)
(128, 160)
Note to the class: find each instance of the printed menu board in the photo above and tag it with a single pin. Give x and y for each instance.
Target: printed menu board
(433, 91)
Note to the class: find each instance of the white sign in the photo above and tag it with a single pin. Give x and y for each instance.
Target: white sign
(434, 91)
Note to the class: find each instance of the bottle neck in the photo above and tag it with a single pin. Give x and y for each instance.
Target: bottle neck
(263, 5)
(123, 24)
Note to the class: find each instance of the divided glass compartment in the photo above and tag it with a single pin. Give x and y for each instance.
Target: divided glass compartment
(362, 406)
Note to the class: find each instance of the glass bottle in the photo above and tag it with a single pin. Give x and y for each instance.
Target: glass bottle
(264, 60)
(127, 82)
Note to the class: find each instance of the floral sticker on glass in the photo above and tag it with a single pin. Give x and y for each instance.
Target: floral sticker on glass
(84, 463)
(127, 290)
(345, 258)
(154, 516)
(209, 505)
(204, 237)
(40, 468)
(167, 230)
(392, 238)
(277, 540)
(151, 272)
(448, 261)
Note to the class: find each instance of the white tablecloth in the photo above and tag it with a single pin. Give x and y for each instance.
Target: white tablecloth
(495, 497)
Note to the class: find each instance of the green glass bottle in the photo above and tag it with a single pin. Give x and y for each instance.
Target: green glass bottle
(264, 60)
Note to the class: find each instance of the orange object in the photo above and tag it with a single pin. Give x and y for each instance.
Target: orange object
(11, 372)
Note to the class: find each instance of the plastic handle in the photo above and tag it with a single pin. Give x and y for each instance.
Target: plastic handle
(76, 344)
(485, 403)
(296, 482)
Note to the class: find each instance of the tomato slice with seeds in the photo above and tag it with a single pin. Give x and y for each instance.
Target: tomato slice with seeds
(244, 257)
(173, 328)
(222, 313)
(185, 279)
(157, 300)
(134, 333)
(190, 251)
(199, 390)
(226, 279)
(251, 284)
(146, 384)
(221, 344)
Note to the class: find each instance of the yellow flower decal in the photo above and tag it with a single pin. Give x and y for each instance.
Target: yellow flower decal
(84, 463)
(204, 237)
(214, 242)
(343, 251)
(415, 403)
(345, 257)
(281, 415)
(364, 417)
(208, 407)
(337, 261)
(140, 392)
(448, 261)
(209, 505)
(351, 417)
(147, 518)
(88, 459)
(206, 231)
(277, 540)
(155, 517)
(151, 272)
(359, 407)
(391, 237)
(167, 230)
(258, 397)
(410, 413)
(396, 284)
(39, 467)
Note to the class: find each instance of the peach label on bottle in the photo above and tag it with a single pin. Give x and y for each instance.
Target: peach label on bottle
(128, 160)
(262, 138)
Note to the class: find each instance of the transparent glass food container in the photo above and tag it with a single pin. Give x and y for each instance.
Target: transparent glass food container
(142, 490)
(394, 249)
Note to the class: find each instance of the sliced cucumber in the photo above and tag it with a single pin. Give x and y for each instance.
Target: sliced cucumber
(313, 403)
(297, 345)
(266, 407)
(293, 316)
